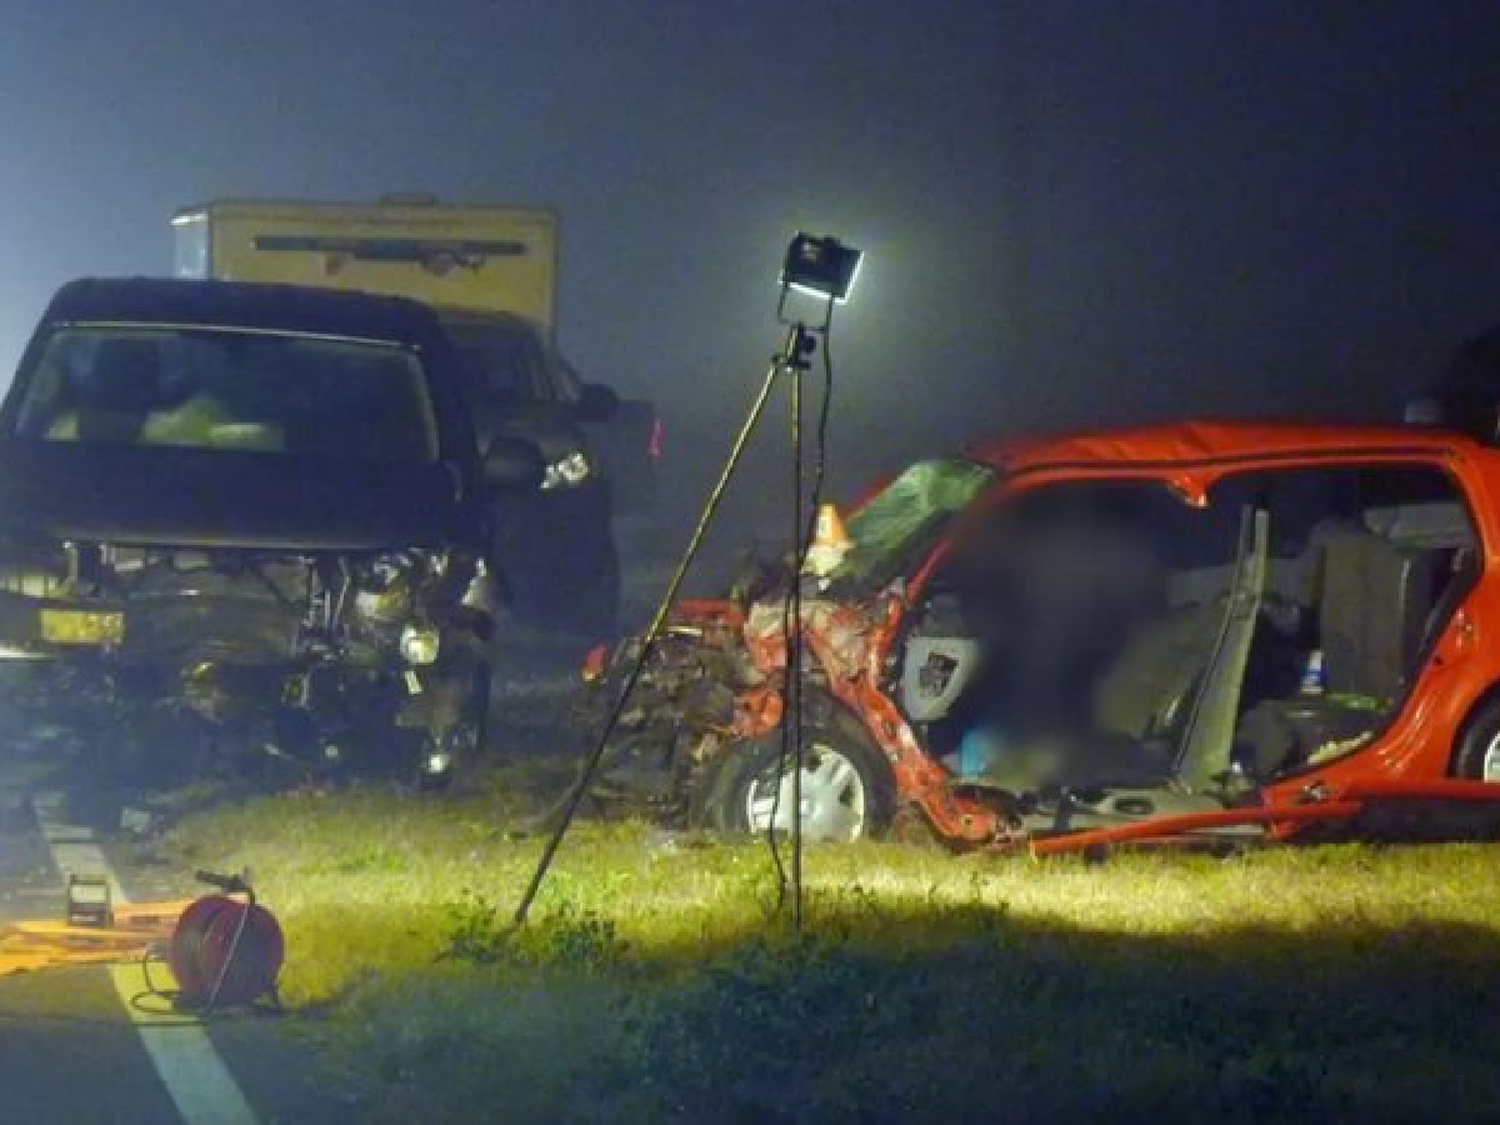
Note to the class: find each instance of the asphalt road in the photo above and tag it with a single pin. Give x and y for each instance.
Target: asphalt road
(68, 1049)
(73, 1046)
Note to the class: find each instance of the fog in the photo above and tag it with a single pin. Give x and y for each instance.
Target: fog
(1075, 212)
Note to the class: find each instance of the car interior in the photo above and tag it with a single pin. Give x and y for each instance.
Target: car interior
(222, 390)
(1110, 633)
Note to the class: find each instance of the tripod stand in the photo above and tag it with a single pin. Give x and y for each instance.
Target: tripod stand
(789, 364)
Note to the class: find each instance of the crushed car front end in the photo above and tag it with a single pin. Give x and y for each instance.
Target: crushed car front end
(699, 692)
(713, 687)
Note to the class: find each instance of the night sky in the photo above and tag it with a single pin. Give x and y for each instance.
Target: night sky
(1076, 212)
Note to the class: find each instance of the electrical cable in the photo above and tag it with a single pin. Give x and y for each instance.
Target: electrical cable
(166, 1019)
(153, 990)
(791, 644)
(567, 808)
(815, 500)
(791, 747)
(194, 943)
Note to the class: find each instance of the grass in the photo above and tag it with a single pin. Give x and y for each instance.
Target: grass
(658, 983)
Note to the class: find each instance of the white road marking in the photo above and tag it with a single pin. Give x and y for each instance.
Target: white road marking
(195, 1077)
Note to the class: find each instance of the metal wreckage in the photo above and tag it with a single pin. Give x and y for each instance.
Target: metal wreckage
(1211, 634)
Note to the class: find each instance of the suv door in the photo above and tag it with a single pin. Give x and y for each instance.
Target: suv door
(554, 550)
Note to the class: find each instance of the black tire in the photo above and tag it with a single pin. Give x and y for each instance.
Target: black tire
(857, 804)
(1480, 736)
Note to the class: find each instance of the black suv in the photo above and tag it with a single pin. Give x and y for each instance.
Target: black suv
(261, 503)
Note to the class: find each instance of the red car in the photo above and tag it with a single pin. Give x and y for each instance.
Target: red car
(1193, 631)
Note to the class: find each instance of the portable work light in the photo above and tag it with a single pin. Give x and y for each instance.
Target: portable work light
(89, 901)
(821, 267)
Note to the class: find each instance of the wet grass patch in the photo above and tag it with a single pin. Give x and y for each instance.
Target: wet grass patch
(657, 982)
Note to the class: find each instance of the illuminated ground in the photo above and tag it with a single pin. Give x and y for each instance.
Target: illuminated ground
(660, 982)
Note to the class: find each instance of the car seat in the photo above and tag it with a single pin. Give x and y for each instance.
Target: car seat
(1146, 691)
(1375, 601)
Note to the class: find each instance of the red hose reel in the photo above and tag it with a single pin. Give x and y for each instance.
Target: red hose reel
(226, 951)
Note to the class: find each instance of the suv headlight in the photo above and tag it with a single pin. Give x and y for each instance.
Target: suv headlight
(569, 472)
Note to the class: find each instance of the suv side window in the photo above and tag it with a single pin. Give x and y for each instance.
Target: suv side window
(500, 366)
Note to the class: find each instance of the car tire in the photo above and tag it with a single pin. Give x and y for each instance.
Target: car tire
(847, 787)
(1479, 742)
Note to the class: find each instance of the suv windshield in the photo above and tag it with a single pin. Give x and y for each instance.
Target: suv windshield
(906, 516)
(228, 389)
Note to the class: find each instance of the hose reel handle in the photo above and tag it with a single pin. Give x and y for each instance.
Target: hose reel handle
(229, 884)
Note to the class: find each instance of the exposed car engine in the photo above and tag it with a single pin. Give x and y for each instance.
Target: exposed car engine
(327, 639)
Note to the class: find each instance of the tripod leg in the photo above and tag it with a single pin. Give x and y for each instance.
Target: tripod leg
(790, 355)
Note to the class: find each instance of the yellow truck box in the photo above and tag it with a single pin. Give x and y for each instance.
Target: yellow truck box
(480, 258)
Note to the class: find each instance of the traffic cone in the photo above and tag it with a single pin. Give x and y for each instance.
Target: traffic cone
(830, 531)
(830, 541)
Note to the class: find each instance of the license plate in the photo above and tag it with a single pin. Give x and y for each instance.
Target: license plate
(82, 627)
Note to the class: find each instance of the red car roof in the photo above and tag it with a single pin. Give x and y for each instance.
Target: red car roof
(1199, 441)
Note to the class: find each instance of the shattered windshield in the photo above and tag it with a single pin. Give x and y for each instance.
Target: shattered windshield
(906, 516)
(229, 389)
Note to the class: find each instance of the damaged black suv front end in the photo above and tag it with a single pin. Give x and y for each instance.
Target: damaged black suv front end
(257, 505)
